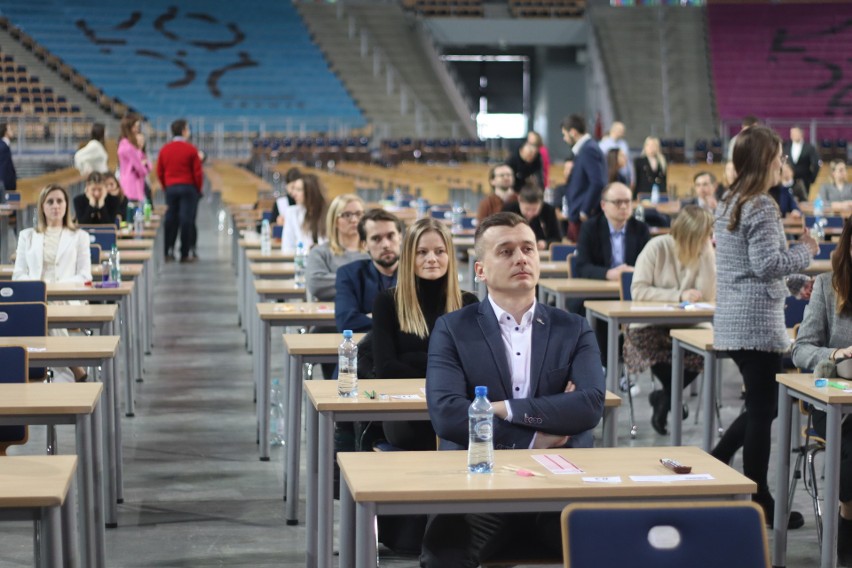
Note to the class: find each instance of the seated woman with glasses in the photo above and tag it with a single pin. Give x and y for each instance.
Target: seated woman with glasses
(826, 335)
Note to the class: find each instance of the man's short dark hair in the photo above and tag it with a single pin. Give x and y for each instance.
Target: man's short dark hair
(531, 193)
(502, 219)
(750, 120)
(98, 132)
(376, 215)
(292, 175)
(178, 127)
(3, 128)
(576, 122)
(703, 173)
(493, 171)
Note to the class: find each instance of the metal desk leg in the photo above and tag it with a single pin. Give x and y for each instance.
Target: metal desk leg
(294, 433)
(86, 487)
(782, 480)
(264, 383)
(139, 327)
(149, 307)
(612, 354)
(708, 396)
(313, 483)
(610, 426)
(832, 485)
(325, 494)
(51, 530)
(346, 538)
(98, 481)
(68, 529)
(365, 535)
(677, 392)
(126, 328)
(111, 408)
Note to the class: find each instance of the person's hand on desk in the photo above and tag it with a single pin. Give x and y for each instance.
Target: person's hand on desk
(614, 274)
(808, 240)
(842, 353)
(692, 295)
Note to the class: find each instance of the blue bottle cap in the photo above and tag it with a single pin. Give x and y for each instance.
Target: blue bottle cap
(347, 334)
(480, 391)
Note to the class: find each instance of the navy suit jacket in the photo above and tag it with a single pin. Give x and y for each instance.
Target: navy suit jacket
(783, 196)
(357, 284)
(586, 181)
(466, 350)
(594, 246)
(7, 169)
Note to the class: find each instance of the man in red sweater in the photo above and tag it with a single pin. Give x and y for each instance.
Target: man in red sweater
(179, 171)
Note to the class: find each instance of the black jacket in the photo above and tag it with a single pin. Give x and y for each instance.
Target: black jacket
(594, 248)
(807, 168)
(545, 225)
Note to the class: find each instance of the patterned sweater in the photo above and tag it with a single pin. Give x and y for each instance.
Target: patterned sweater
(751, 265)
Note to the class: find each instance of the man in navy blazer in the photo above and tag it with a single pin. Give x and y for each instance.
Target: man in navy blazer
(588, 175)
(7, 169)
(542, 369)
(358, 283)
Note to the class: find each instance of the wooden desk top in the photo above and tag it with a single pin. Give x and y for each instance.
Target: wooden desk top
(253, 243)
(554, 267)
(272, 268)
(581, 285)
(542, 254)
(818, 267)
(666, 310)
(279, 287)
(442, 476)
(35, 481)
(323, 395)
(127, 270)
(134, 244)
(89, 313)
(297, 312)
(81, 292)
(701, 337)
(130, 255)
(53, 348)
(129, 233)
(804, 383)
(54, 398)
(315, 343)
(275, 255)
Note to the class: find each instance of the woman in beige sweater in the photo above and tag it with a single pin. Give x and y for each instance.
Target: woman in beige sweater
(679, 267)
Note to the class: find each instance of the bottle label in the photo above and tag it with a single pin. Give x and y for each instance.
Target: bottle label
(484, 430)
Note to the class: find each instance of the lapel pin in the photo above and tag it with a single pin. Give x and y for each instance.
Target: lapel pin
(539, 320)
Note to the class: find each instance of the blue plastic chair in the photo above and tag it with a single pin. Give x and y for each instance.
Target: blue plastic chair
(626, 282)
(825, 250)
(22, 291)
(95, 254)
(794, 311)
(560, 253)
(14, 362)
(28, 319)
(106, 239)
(572, 265)
(277, 231)
(468, 222)
(665, 535)
(832, 221)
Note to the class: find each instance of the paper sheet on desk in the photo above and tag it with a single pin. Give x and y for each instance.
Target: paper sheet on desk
(557, 464)
(651, 308)
(671, 478)
(406, 397)
(36, 349)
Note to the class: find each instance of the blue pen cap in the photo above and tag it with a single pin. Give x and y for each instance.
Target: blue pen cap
(481, 391)
(347, 334)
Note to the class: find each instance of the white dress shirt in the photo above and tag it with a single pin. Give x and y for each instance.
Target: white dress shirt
(517, 340)
(795, 151)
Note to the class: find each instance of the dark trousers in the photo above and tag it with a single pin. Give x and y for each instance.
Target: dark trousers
(752, 430)
(462, 541)
(182, 201)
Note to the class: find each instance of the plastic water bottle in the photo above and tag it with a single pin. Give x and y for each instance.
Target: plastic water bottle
(276, 415)
(655, 194)
(114, 264)
(397, 197)
(639, 213)
(265, 237)
(458, 213)
(818, 230)
(480, 448)
(222, 218)
(147, 211)
(299, 259)
(422, 208)
(347, 376)
(138, 223)
(818, 208)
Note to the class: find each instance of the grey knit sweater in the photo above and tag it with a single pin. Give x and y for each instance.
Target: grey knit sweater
(751, 265)
(823, 330)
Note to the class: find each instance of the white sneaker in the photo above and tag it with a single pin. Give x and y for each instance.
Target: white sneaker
(634, 387)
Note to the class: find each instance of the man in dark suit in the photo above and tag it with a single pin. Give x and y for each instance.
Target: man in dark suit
(803, 157)
(706, 192)
(7, 169)
(588, 175)
(358, 283)
(542, 369)
(540, 215)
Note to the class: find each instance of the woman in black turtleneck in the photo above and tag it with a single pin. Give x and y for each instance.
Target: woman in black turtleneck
(403, 317)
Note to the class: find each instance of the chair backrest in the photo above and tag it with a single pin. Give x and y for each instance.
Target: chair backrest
(105, 237)
(825, 250)
(560, 252)
(12, 197)
(572, 265)
(794, 311)
(626, 282)
(13, 361)
(26, 319)
(95, 254)
(665, 535)
(468, 222)
(833, 221)
(22, 291)
(277, 231)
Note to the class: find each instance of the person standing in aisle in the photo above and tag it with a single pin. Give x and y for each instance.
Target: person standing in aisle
(179, 171)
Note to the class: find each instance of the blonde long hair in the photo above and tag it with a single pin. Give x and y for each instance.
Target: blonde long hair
(411, 319)
(338, 204)
(661, 158)
(690, 232)
(67, 222)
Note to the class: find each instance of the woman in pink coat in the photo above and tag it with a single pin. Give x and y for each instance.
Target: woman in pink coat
(133, 166)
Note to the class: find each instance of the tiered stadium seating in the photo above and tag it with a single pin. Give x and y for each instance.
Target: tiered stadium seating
(547, 8)
(166, 60)
(782, 61)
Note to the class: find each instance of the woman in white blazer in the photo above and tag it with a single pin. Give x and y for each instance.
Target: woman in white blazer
(54, 251)
(304, 222)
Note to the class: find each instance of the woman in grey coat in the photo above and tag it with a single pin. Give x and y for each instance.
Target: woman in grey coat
(826, 333)
(838, 189)
(752, 262)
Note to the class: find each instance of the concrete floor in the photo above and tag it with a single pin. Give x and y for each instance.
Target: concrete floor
(196, 494)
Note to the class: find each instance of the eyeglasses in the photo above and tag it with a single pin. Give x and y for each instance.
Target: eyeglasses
(350, 215)
(619, 202)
